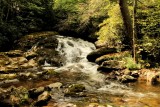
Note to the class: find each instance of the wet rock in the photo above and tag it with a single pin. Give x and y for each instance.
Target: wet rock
(106, 69)
(99, 52)
(99, 45)
(114, 63)
(43, 99)
(112, 76)
(135, 73)
(41, 60)
(126, 72)
(31, 63)
(30, 55)
(4, 82)
(7, 76)
(18, 60)
(112, 56)
(127, 79)
(56, 85)
(111, 65)
(14, 64)
(70, 43)
(14, 53)
(50, 56)
(27, 76)
(153, 78)
(75, 90)
(34, 93)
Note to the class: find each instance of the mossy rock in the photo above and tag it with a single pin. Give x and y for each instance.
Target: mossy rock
(75, 90)
(113, 56)
(26, 42)
(111, 65)
(100, 52)
(50, 56)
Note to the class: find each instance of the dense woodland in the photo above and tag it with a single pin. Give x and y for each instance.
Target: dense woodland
(102, 21)
(79, 53)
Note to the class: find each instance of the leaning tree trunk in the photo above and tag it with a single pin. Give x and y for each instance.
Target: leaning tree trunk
(127, 24)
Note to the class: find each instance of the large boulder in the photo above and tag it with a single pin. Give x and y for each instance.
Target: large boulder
(113, 56)
(43, 99)
(27, 42)
(41, 47)
(127, 79)
(112, 65)
(99, 52)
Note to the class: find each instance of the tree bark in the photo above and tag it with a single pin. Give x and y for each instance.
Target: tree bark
(134, 29)
(127, 24)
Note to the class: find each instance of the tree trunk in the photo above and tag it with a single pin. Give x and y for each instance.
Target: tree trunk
(134, 29)
(127, 23)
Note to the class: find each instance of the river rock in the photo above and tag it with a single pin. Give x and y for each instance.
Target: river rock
(99, 52)
(112, 56)
(14, 53)
(18, 60)
(111, 65)
(135, 73)
(30, 55)
(35, 92)
(127, 79)
(31, 63)
(43, 99)
(4, 60)
(7, 76)
(75, 90)
(56, 85)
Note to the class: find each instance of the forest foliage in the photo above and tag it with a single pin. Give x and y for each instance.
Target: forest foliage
(88, 19)
(19, 17)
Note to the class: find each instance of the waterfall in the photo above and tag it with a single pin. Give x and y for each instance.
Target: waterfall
(75, 52)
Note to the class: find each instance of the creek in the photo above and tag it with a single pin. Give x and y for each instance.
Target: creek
(76, 69)
(100, 89)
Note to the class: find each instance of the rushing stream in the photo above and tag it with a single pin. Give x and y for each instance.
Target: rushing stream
(75, 52)
(76, 69)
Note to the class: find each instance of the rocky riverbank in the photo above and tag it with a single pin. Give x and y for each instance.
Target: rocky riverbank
(44, 71)
(119, 66)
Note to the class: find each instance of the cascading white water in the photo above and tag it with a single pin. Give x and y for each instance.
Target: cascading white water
(75, 52)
